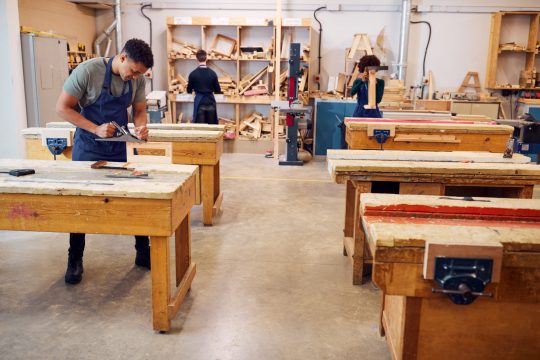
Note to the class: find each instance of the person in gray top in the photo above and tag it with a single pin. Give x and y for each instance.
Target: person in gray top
(105, 89)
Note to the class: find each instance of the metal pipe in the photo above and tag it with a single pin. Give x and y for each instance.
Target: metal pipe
(404, 39)
(118, 18)
(106, 34)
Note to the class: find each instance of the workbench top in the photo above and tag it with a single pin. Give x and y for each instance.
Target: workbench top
(78, 178)
(427, 156)
(182, 126)
(154, 135)
(413, 220)
(442, 126)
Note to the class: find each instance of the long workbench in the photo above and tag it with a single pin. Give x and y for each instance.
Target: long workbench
(484, 255)
(69, 197)
(426, 135)
(456, 173)
(194, 144)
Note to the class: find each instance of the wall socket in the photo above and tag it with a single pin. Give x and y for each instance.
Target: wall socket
(333, 7)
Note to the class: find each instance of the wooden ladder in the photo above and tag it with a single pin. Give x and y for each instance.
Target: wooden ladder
(466, 82)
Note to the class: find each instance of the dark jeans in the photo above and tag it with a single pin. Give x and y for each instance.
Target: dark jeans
(206, 114)
(77, 241)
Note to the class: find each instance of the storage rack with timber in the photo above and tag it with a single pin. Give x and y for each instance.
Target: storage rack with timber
(242, 52)
(513, 51)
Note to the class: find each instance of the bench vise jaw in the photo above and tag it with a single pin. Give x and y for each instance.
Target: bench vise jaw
(462, 271)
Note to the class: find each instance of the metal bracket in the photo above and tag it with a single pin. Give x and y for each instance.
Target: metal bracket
(56, 145)
(463, 280)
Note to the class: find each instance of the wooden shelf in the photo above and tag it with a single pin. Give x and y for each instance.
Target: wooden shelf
(198, 32)
(511, 74)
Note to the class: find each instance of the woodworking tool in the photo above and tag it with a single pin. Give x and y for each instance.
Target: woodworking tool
(102, 164)
(122, 135)
(56, 140)
(156, 106)
(294, 110)
(19, 172)
(462, 279)
(525, 139)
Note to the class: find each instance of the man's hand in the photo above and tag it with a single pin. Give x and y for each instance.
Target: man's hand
(141, 132)
(106, 130)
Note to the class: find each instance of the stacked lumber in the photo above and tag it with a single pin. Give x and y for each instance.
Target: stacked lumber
(394, 94)
(259, 89)
(215, 55)
(255, 126)
(230, 128)
(254, 82)
(182, 50)
(227, 85)
(512, 46)
(178, 85)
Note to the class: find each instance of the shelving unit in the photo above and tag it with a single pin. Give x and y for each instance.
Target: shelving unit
(76, 57)
(513, 51)
(201, 32)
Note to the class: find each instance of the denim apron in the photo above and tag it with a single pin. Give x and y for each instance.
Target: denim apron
(105, 109)
(362, 99)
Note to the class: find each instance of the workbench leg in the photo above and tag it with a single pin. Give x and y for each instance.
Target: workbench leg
(411, 327)
(526, 192)
(159, 257)
(358, 233)
(349, 210)
(218, 195)
(182, 248)
(207, 180)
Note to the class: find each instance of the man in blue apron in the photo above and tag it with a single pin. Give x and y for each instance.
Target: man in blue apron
(360, 87)
(104, 89)
(205, 83)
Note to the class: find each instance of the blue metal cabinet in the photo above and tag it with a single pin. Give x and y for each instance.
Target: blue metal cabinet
(329, 115)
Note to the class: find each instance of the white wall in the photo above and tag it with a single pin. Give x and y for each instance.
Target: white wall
(459, 42)
(12, 102)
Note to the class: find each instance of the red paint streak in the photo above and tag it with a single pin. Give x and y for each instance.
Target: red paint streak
(448, 221)
(453, 211)
(412, 121)
(21, 211)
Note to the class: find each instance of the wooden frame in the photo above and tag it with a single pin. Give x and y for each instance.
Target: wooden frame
(223, 45)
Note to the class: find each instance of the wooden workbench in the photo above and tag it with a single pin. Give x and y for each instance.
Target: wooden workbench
(71, 197)
(201, 145)
(157, 126)
(420, 324)
(428, 135)
(418, 172)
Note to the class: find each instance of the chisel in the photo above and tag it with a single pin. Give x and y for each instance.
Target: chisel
(19, 172)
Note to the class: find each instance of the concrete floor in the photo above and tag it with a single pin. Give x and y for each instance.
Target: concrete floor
(271, 283)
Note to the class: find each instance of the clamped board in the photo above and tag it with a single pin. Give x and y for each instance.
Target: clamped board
(372, 85)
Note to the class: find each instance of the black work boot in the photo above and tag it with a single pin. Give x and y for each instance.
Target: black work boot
(74, 270)
(143, 258)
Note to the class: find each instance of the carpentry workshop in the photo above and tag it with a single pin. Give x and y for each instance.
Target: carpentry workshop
(281, 180)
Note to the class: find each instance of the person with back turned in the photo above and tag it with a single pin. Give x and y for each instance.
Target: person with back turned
(105, 89)
(204, 81)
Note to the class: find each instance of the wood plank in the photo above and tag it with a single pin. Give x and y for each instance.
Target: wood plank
(426, 156)
(196, 153)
